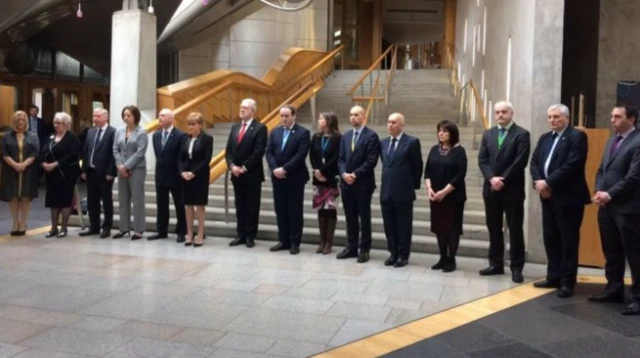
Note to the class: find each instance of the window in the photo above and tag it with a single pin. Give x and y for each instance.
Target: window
(508, 69)
(484, 31)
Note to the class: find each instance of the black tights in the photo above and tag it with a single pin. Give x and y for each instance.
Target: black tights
(55, 216)
(328, 213)
(448, 245)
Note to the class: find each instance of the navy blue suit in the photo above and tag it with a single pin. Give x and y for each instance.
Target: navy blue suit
(168, 179)
(356, 198)
(401, 176)
(288, 193)
(562, 212)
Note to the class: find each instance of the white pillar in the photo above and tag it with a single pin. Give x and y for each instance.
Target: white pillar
(133, 68)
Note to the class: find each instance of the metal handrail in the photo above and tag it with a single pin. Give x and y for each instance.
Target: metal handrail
(368, 72)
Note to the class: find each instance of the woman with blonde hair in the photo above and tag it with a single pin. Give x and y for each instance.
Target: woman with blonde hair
(20, 150)
(195, 156)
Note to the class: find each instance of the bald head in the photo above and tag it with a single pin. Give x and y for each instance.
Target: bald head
(357, 116)
(395, 124)
(165, 117)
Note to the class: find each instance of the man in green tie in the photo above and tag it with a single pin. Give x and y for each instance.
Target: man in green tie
(503, 156)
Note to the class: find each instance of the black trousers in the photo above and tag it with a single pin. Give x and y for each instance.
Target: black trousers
(162, 193)
(398, 227)
(357, 211)
(495, 207)
(561, 236)
(99, 189)
(247, 201)
(288, 202)
(620, 237)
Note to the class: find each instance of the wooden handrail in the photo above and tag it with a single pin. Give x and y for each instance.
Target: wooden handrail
(371, 100)
(315, 67)
(367, 72)
(485, 122)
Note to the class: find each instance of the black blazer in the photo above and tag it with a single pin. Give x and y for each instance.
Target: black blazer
(325, 161)
(293, 157)
(448, 170)
(167, 159)
(619, 175)
(249, 152)
(66, 152)
(402, 174)
(566, 168)
(201, 156)
(103, 159)
(41, 129)
(361, 161)
(508, 162)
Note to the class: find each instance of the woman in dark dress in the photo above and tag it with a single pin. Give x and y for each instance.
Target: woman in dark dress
(60, 161)
(20, 151)
(444, 180)
(323, 154)
(195, 156)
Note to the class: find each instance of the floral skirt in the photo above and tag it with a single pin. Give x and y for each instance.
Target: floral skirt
(325, 197)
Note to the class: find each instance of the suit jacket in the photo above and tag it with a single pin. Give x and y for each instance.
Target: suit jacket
(131, 152)
(167, 158)
(201, 156)
(619, 175)
(292, 158)
(103, 159)
(249, 152)
(508, 162)
(326, 161)
(566, 168)
(41, 129)
(401, 174)
(361, 161)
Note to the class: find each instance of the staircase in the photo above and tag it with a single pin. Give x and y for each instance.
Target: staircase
(425, 98)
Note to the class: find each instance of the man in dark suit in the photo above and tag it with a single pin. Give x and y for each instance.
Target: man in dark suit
(245, 148)
(503, 156)
(359, 151)
(286, 155)
(401, 175)
(99, 170)
(618, 194)
(557, 171)
(167, 142)
(36, 124)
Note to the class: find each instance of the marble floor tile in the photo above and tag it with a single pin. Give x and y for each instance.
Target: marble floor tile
(97, 324)
(16, 331)
(356, 329)
(127, 306)
(148, 348)
(197, 336)
(376, 300)
(295, 349)
(337, 285)
(40, 353)
(55, 298)
(359, 311)
(77, 342)
(146, 330)
(21, 313)
(271, 289)
(9, 350)
(60, 319)
(217, 295)
(232, 353)
(244, 342)
(297, 304)
(405, 289)
(196, 314)
(403, 303)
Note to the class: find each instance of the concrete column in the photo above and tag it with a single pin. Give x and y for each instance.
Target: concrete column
(133, 67)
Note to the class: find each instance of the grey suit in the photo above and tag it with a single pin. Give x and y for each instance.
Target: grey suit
(130, 152)
(619, 221)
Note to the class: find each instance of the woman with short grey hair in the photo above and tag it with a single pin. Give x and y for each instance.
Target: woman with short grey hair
(60, 161)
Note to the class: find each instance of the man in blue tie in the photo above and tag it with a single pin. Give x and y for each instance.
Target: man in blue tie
(557, 172)
(287, 151)
(359, 152)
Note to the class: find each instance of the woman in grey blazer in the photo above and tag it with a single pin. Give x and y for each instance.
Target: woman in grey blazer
(129, 150)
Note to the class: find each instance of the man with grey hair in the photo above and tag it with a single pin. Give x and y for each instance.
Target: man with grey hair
(167, 142)
(503, 156)
(557, 172)
(246, 146)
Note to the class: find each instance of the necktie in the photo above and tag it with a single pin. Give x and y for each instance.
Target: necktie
(614, 147)
(285, 136)
(165, 136)
(354, 139)
(501, 136)
(242, 130)
(392, 149)
(95, 144)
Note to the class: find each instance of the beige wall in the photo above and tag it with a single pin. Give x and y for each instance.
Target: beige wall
(250, 39)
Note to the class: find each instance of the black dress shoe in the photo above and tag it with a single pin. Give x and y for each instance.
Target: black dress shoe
(440, 264)
(615, 297)
(449, 265)
(136, 237)
(105, 234)
(565, 292)
(347, 254)
(363, 257)
(14, 233)
(180, 238)
(390, 261)
(294, 249)
(401, 262)
(279, 247)
(51, 233)
(89, 233)
(61, 234)
(250, 242)
(633, 309)
(157, 237)
(492, 270)
(516, 276)
(546, 284)
(237, 241)
(120, 235)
